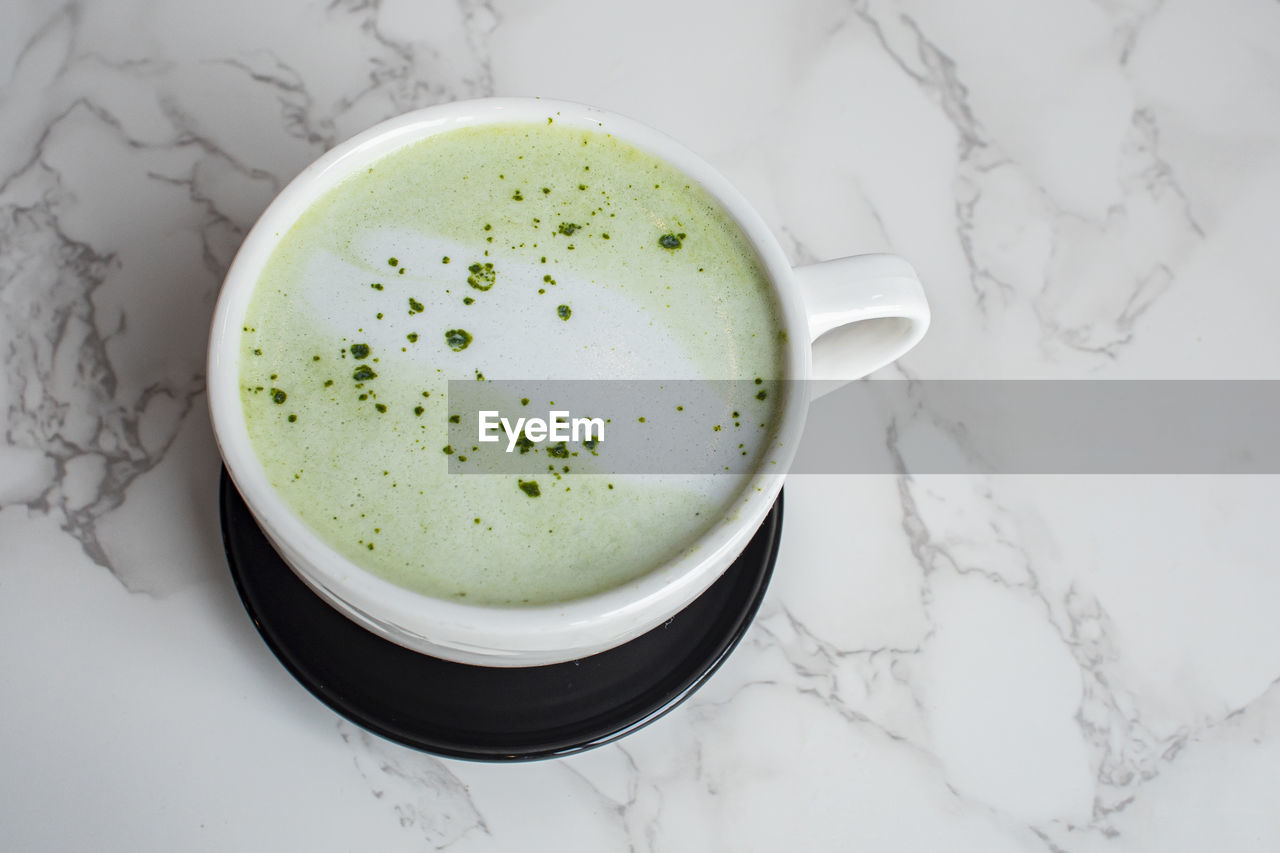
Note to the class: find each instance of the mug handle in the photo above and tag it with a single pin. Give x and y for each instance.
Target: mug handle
(864, 311)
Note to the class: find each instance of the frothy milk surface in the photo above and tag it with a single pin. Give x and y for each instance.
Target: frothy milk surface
(514, 251)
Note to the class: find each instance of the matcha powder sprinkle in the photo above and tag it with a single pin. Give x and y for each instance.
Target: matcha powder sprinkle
(458, 339)
(482, 276)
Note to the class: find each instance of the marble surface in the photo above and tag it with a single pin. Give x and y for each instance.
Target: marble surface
(1088, 188)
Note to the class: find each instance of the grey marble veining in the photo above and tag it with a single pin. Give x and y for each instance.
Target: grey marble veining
(943, 663)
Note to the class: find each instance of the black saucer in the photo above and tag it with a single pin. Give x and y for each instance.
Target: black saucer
(489, 713)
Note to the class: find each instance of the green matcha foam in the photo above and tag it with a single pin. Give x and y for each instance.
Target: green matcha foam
(503, 251)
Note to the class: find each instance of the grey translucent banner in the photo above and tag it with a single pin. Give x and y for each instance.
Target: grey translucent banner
(612, 426)
(879, 427)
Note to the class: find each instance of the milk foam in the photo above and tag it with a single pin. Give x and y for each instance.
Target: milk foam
(362, 476)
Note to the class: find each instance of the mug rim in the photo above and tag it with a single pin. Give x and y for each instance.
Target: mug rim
(471, 633)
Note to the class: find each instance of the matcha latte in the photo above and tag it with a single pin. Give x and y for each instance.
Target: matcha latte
(508, 251)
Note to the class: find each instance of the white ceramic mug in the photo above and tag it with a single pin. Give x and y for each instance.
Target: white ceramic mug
(845, 318)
